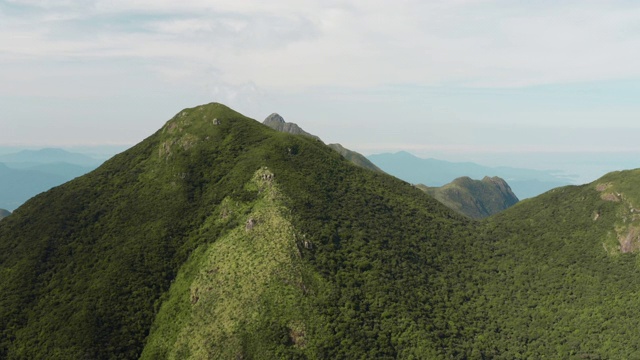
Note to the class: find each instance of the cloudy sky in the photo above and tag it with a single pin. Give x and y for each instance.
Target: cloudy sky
(456, 79)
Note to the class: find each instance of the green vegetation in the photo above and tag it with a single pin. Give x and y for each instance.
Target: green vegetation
(551, 287)
(246, 290)
(355, 157)
(476, 199)
(525, 183)
(276, 122)
(218, 237)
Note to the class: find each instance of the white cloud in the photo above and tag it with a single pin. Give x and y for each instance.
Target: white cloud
(293, 44)
(438, 71)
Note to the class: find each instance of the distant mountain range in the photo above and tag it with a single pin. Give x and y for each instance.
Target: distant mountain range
(4, 213)
(27, 173)
(355, 157)
(26, 158)
(525, 183)
(473, 198)
(476, 199)
(276, 122)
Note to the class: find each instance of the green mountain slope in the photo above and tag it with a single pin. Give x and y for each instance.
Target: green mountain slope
(218, 237)
(355, 157)
(557, 278)
(88, 265)
(476, 199)
(246, 290)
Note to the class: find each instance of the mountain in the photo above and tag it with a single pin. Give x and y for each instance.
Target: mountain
(218, 237)
(560, 271)
(276, 122)
(476, 199)
(4, 213)
(27, 173)
(19, 185)
(354, 157)
(48, 156)
(525, 183)
(65, 170)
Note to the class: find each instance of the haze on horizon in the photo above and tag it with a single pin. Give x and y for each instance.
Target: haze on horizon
(536, 84)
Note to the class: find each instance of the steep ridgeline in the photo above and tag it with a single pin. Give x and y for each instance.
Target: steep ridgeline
(220, 238)
(276, 122)
(4, 213)
(355, 157)
(476, 199)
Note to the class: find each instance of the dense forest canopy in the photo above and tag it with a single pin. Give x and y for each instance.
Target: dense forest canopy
(218, 237)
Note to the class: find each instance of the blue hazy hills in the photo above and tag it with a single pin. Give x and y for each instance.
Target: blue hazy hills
(26, 173)
(525, 183)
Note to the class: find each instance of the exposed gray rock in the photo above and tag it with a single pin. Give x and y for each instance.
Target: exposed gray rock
(276, 122)
(251, 222)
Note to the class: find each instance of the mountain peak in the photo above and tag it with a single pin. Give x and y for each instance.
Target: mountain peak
(475, 198)
(276, 122)
(274, 118)
(496, 181)
(501, 185)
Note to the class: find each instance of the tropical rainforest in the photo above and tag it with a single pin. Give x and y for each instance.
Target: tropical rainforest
(218, 237)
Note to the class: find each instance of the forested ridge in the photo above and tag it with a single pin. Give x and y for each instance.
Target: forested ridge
(218, 237)
(476, 199)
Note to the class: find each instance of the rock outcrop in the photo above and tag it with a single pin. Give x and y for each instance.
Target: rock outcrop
(276, 122)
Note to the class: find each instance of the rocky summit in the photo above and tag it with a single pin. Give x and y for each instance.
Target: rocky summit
(277, 122)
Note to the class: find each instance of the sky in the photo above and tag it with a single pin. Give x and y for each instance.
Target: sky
(537, 84)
